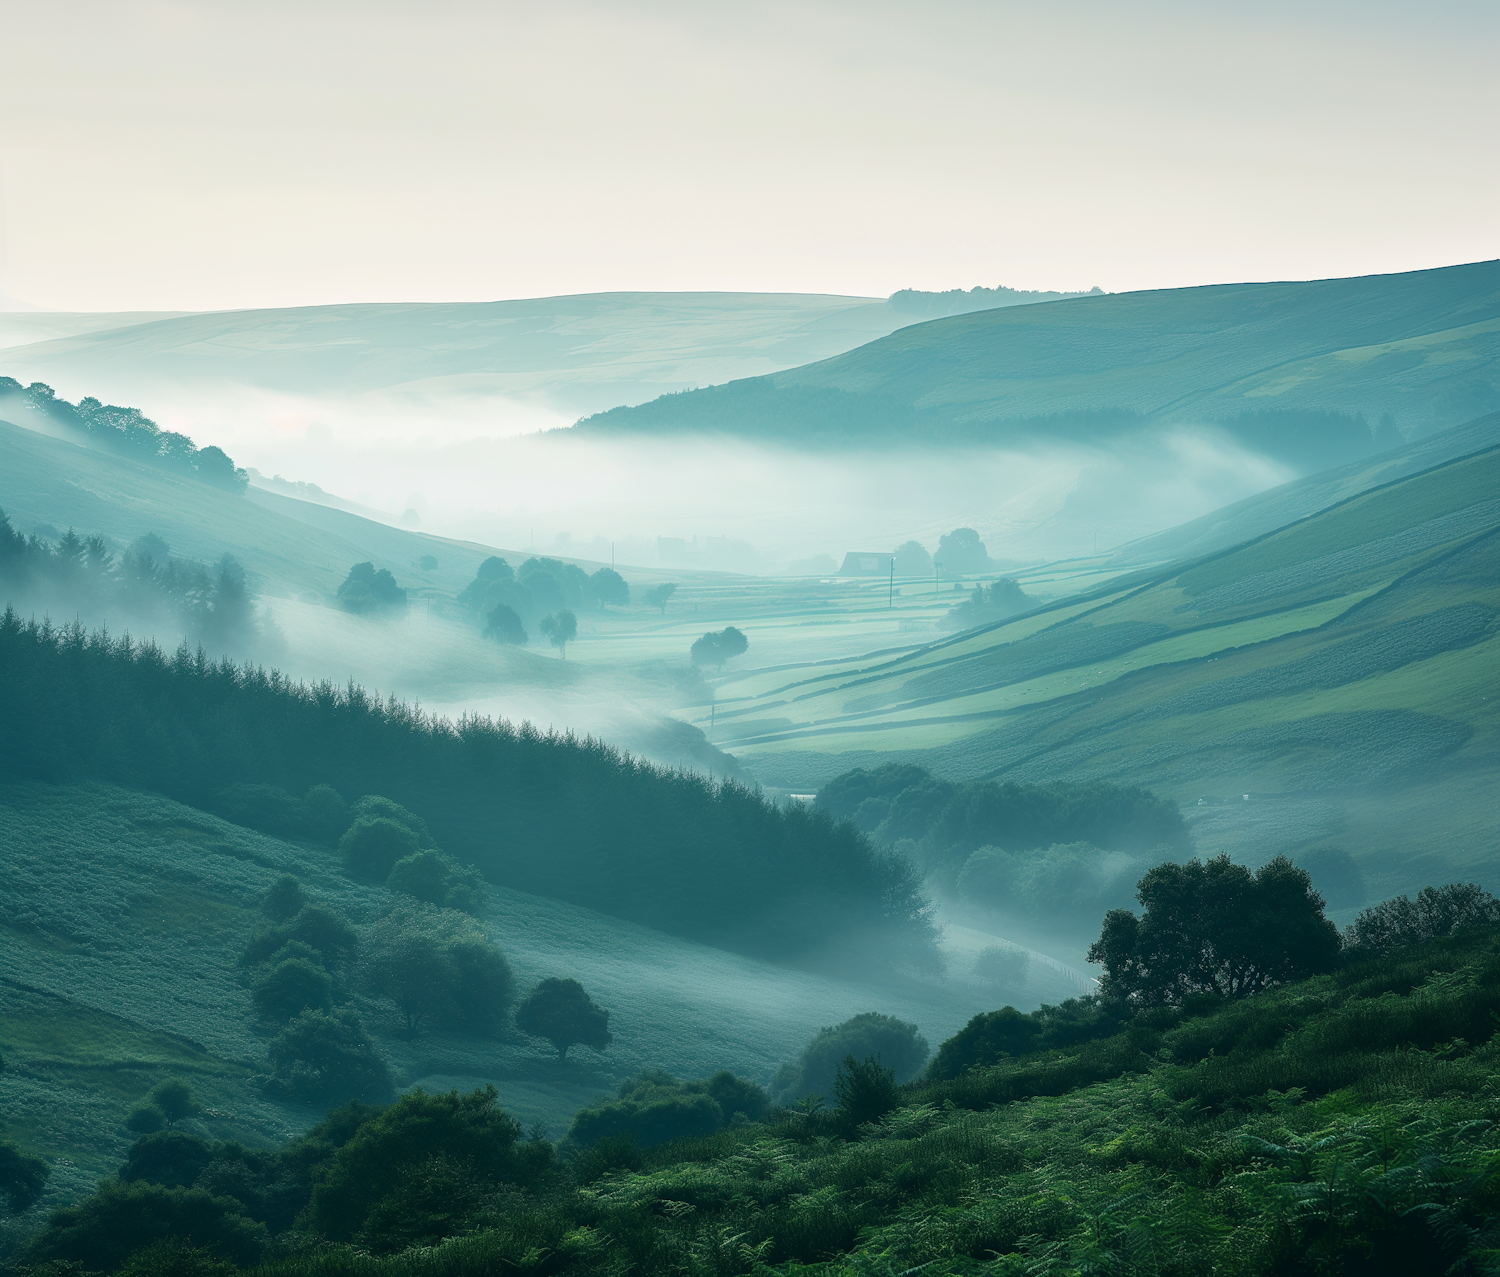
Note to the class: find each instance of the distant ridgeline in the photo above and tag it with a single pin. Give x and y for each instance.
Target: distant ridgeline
(546, 813)
(1312, 374)
(955, 301)
(122, 430)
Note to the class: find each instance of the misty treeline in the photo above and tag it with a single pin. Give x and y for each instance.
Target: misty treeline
(957, 301)
(126, 431)
(1058, 853)
(1330, 1124)
(143, 586)
(511, 604)
(540, 811)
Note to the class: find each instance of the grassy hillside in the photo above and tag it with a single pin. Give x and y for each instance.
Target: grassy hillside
(577, 354)
(1420, 346)
(1341, 1125)
(123, 916)
(1340, 671)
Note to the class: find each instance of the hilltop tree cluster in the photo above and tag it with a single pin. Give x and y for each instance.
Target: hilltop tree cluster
(144, 585)
(126, 431)
(541, 812)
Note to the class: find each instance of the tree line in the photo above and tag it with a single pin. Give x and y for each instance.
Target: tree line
(126, 432)
(213, 604)
(544, 812)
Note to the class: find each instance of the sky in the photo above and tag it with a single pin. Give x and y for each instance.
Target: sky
(247, 153)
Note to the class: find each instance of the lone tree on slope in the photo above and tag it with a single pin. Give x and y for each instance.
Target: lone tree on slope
(560, 629)
(559, 1011)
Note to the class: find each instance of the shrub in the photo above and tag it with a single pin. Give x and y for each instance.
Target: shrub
(503, 624)
(101, 1232)
(559, 1011)
(325, 814)
(1001, 966)
(175, 1099)
(366, 591)
(900, 1046)
(172, 1159)
(316, 926)
(372, 846)
(374, 807)
(144, 1118)
(284, 899)
(327, 1056)
(655, 1107)
(290, 986)
(433, 965)
(471, 1131)
(485, 987)
(866, 1089)
(435, 877)
(1436, 912)
(22, 1177)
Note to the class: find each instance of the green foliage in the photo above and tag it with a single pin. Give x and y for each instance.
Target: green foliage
(438, 879)
(1054, 885)
(1001, 967)
(367, 592)
(122, 1219)
(1001, 599)
(372, 846)
(173, 1257)
(175, 1099)
(715, 648)
(559, 629)
(503, 624)
(432, 964)
(451, 1139)
(993, 1036)
(900, 1046)
(1215, 928)
(291, 986)
(560, 1012)
(284, 899)
(314, 925)
(866, 1089)
(1436, 912)
(327, 1057)
(610, 588)
(684, 854)
(22, 1177)
(658, 596)
(374, 807)
(654, 1108)
(325, 814)
(144, 1118)
(172, 1159)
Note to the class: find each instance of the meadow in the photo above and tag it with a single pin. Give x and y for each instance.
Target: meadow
(123, 917)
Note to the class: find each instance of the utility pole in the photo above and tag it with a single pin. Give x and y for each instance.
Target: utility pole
(890, 600)
(935, 566)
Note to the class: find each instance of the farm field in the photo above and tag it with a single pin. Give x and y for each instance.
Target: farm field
(123, 917)
(1347, 661)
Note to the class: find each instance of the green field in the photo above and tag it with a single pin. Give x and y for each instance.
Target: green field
(123, 917)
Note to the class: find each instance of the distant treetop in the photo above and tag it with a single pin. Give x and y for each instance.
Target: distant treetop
(955, 301)
(127, 431)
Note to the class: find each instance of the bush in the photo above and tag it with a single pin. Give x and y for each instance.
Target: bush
(503, 624)
(172, 1159)
(101, 1232)
(144, 1118)
(1001, 967)
(866, 1089)
(371, 847)
(435, 877)
(374, 807)
(470, 1131)
(655, 1108)
(1436, 912)
(559, 1011)
(325, 814)
(284, 899)
(485, 987)
(175, 1099)
(366, 592)
(327, 1057)
(316, 926)
(22, 1177)
(291, 986)
(900, 1046)
(433, 965)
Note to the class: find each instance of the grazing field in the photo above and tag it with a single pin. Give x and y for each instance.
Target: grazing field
(1349, 656)
(123, 917)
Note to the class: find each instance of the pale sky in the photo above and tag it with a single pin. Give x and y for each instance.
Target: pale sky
(258, 153)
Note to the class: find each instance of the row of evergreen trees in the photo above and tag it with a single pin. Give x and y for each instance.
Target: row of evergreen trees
(540, 811)
(142, 586)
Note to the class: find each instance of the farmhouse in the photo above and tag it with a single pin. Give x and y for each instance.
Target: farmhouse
(858, 563)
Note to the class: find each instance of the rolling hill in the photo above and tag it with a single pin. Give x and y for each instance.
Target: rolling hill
(1286, 367)
(572, 354)
(1330, 682)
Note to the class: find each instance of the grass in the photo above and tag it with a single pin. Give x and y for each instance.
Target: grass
(123, 917)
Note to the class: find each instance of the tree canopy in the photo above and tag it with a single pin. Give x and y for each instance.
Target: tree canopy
(367, 592)
(1215, 927)
(715, 648)
(559, 1011)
